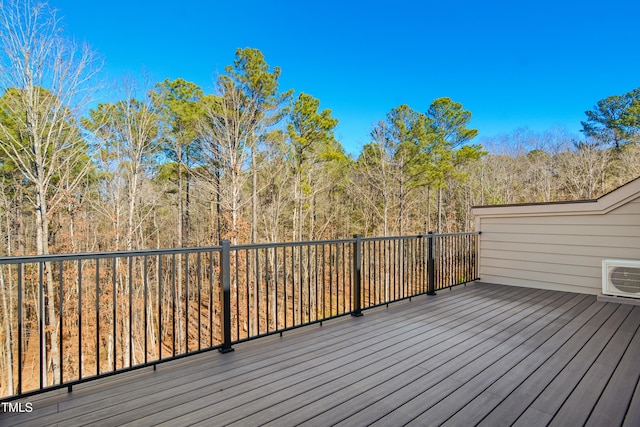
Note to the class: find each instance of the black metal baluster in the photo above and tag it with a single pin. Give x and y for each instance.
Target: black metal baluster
(293, 286)
(401, 255)
(308, 282)
(266, 284)
(130, 311)
(159, 261)
(366, 250)
(452, 261)
(211, 288)
(145, 280)
(344, 279)
(352, 305)
(186, 301)
(79, 319)
(315, 276)
(392, 266)
(338, 287)
(431, 264)
(333, 294)
(276, 272)
(257, 291)
(199, 279)
(61, 324)
(248, 293)
(284, 274)
(97, 317)
(403, 268)
(324, 292)
(43, 348)
(469, 275)
(374, 262)
(412, 266)
(174, 302)
(20, 328)
(114, 310)
(409, 274)
(300, 286)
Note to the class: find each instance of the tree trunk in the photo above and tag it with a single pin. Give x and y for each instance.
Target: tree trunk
(7, 313)
(218, 207)
(235, 205)
(186, 233)
(428, 209)
(42, 248)
(180, 217)
(401, 213)
(254, 198)
(297, 208)
(186, 226)
(439, 229)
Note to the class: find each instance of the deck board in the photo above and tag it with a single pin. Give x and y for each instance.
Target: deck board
(525, 382)
(482, 372)
(575, 372)
(482, 354)
(632, 417)
(438, 324)
(616, 398)
(440, 329)
(358, 343)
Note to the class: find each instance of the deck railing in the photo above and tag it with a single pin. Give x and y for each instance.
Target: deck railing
(72, 318)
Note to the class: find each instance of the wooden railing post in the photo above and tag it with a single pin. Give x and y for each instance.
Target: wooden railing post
(225, 285)
(357, 275)
(430, 265)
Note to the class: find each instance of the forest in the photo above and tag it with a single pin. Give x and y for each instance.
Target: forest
(169, 166)
(174, 167)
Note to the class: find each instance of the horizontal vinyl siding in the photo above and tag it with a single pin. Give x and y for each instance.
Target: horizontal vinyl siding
(589, 220)
(549, 258)
(565, 239)
(563, 249)
(540, 268)
(595, 230)
(562, 252)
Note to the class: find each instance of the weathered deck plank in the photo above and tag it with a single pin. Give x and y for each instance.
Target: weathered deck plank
(484, 354)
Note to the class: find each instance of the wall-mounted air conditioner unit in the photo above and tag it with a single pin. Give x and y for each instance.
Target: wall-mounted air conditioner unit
(621, 278)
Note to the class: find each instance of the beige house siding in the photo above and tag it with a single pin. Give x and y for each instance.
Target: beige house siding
(559, 246)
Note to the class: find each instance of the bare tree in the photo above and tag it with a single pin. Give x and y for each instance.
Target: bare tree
(128, 134)
(377, 176)
(229, 124)
(44, 79)
(583, 171)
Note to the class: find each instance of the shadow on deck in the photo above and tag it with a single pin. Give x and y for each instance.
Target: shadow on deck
(481, 354)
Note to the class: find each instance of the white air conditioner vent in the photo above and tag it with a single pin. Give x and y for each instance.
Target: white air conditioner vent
(621, 278)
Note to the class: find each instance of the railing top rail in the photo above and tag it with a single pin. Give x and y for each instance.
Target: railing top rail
(169, 251)
(113, 254)
(418, 236)
(288, 244)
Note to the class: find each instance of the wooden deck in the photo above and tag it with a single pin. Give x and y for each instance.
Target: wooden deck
(482, 354)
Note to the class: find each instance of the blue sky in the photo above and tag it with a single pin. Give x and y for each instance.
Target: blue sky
(513, 64)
